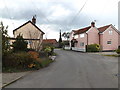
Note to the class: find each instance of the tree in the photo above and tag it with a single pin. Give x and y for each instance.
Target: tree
(5, 40)
(60, 40)
(19, 44)
(66, 35)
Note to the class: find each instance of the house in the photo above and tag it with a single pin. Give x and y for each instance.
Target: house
(50, 42)
(31, 33)
(106, 36)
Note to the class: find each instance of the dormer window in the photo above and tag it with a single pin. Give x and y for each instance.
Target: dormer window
(110, 32)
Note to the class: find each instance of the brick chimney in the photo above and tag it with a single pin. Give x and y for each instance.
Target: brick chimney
(34, 20)
(92, 24)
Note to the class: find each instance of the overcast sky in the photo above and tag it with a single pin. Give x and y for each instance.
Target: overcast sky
(53, 15)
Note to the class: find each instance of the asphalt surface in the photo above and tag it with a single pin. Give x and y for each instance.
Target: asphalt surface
(74, 70)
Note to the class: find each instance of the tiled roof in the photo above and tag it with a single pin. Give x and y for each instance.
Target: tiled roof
(82, 30)
(53, 41)
(102, 29)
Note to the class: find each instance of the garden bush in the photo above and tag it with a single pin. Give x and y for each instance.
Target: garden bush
(93, 48)
(35, 56)
(30, 49)
(118, 47)
(20, 60)
(20, 44)
(48, 49)
(118, 51)
(46, 62)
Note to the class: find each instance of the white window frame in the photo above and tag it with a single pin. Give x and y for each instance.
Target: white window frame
(109, 42)
(110, 32)
(82, 44)
(75, 36)
(82, 35)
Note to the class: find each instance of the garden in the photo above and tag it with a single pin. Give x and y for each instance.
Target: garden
(16, 57)
(96, 48)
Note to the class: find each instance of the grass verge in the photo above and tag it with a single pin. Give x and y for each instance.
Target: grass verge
(46, 62)
(114, 55)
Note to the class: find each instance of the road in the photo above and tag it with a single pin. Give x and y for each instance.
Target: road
(73, 70)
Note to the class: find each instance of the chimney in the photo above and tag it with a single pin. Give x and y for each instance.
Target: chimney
(34, 20)
(92, 24)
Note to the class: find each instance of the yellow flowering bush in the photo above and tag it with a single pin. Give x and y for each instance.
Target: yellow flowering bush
(31, 65)
(93, 48)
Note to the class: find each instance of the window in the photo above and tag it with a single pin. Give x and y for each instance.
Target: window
(109, 42)
(110, 32)
(82, 35)
(76, 36)
(29, 42)
(82, 44)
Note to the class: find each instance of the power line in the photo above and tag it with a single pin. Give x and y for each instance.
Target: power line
(40, 11)
(78, 12)
(76, 15)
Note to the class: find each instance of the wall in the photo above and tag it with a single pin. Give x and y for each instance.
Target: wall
(80, 40)
(29, 31)
(71, 37)
(119, 40)
(113, 38)
(93, 36)
(101, 42)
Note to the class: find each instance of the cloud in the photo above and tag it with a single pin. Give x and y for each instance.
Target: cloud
(53, 15)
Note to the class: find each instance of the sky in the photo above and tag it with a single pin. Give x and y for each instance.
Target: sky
(55, 15)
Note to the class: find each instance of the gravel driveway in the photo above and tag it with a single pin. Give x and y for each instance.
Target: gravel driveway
(74, 70)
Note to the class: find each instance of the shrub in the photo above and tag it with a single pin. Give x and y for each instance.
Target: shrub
(42, 54)
(5, 39)
(66, 43)
(45, 63)
(30, 49)
(118, 51)
(118, 47)
(48, 49)
(20, 60)
(19, 44)
(93, 48)
(35, 56)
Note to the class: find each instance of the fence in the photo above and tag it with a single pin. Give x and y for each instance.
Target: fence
(75, 49)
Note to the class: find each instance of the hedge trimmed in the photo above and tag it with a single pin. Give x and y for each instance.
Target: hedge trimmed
(93, 48)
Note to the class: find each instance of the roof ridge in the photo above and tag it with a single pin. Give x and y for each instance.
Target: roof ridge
(25, 24)
(82, 30)
(103, 28)
(105, 25)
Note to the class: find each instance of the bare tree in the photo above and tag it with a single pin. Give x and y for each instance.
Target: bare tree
(66, 35)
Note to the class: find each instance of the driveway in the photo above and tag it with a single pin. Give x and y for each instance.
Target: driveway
(74, 70)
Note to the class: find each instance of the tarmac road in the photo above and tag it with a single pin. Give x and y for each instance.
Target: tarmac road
(74, 70)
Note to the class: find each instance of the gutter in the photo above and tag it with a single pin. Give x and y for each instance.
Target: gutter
(99, 39)
(87, 42)
(87, 38)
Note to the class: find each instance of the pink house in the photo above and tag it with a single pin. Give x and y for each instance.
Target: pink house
(106, 36)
